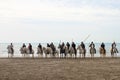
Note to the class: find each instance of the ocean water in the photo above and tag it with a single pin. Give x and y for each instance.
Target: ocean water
(3, 49)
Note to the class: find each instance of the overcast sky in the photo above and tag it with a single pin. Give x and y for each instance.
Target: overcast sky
(55, 20)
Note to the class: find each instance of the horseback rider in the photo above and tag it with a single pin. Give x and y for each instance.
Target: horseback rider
(23, 50)
(53, 48)
(92, 45)
(12, 47)
(30, 48)
(24, 45)
(92, 49)
(83, 49)
(102, 50)
(10, 50)
(62, 49)
(114, 47)
(82, 45)
(48, 45)
(103, 45)
(68, 45)
(40, 47)
(74, 47)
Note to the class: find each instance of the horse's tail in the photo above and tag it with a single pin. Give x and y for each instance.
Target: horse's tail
(12, 50)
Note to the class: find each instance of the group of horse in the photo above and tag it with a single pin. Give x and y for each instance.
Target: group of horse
(61, 52)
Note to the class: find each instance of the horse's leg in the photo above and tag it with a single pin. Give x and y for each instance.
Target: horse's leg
(12, 55)
(104, 55)
(41, 55)
(57, 54)
(45, 55)
(75, 55)
(84, 55)
(51, 55)
(92, 55)
(65, 54)
(100, 55)
(80, 55)
(38, 55)
(23, 55)
(26, 55)
(61, 55)
(112, 54)
(70, 55)
(8, 55)
(32, 55)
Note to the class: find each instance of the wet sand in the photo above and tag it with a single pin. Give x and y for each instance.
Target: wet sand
(60, 69)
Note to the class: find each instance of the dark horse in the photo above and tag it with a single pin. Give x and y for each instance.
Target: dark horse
(62, 50)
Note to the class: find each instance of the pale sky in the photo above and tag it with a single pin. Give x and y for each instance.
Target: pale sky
(55, 20)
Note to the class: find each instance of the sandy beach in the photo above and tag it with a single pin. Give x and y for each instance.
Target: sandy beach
(60, 69)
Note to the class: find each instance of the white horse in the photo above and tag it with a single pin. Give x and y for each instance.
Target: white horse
(113, 51)
(92, 51)
(39, 52)
(56, 53)
(72, 52)
(23, 51)
(67, 51)
(82, 51)
(10, 51)
(47, 51)
(30, 52)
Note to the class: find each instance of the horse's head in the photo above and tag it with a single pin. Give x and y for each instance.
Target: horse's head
(102, 50)
(44, 48)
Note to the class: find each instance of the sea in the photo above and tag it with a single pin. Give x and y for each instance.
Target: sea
(17, 46)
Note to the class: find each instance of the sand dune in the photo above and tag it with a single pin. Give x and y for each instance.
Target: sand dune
(60, 69)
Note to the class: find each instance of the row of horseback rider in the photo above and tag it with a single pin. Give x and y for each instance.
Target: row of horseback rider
(64, 50)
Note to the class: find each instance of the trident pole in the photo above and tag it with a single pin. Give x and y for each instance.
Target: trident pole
(86, 38)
